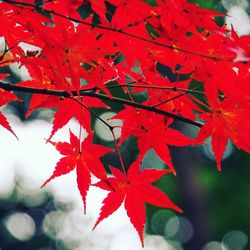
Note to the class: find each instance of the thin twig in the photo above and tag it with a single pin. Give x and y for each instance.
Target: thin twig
(155, 87)
(167, 100)
(92, 112)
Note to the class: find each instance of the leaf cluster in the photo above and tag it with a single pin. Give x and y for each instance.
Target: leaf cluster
(78, 52)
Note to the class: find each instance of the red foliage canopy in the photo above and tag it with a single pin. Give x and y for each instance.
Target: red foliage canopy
(82, 50)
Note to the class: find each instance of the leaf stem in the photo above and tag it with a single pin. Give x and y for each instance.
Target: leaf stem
(111, 128)
(92, 112)
(118, 151)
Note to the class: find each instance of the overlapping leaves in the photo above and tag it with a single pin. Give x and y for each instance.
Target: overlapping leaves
(77, 53)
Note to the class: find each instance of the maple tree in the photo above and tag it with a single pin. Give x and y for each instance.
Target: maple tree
(80, 52)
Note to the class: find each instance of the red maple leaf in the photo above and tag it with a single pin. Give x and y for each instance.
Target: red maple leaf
(129, 12)
(135, 190)
(6, 97)
(69, 108)
(82, 156)
(181, 15)
(152, 131)
(99, 7)
(166, 95)
(227, 120)
(66, 7)
(74, 54)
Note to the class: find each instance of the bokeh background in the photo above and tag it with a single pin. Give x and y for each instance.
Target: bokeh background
(216, 204)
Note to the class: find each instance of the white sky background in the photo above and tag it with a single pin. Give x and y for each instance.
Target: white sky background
(34, 161)
(237, 15)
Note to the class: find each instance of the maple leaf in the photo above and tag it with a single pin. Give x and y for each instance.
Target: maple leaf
(152, 132)
(4, 122)
(178, 16)
(129, 12)
(226, 121)
(69, 108)
(66, 7)
(25, 26)
(64, 52)
(82, 156)
(6, 97)
(98, 77)
(99, 7)
(76, 55)
(228, 80)
(168, 96)
(135, 190)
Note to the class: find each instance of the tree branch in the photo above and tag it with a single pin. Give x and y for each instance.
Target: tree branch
(92, 93)
(175, 89)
